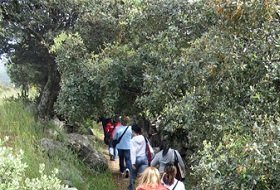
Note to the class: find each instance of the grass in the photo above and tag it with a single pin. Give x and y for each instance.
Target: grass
(6, 92)
(17, 122)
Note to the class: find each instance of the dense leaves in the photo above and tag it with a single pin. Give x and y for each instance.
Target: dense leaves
(242, 161)
(208, 71)
(13, 172)
(28, 29)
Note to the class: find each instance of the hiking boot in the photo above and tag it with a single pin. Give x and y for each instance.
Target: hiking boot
(112, 158)
(127, 173)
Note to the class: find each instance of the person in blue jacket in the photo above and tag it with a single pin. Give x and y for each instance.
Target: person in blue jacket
(124, 145)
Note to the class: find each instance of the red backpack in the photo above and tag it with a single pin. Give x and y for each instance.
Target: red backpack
(149, 152)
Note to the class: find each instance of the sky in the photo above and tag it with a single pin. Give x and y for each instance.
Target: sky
(4, 78)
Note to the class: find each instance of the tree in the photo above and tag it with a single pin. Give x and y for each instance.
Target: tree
(114, 76)
(209, 70)
(28, 30)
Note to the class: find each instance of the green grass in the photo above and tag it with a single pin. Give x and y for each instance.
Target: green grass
(6, 92)
(18, 123)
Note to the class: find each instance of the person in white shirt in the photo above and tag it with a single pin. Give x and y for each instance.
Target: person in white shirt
(168, 179)
(139, 161)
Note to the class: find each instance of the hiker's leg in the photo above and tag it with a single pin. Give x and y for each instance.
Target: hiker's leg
(142, 164)
(115, 153)
(127, 159)
(121, 159)
(133, 175)
(111, 151)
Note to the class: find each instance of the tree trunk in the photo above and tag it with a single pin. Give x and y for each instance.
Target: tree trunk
(49, 93)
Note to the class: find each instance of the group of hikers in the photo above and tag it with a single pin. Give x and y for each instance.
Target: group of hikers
(161, 171)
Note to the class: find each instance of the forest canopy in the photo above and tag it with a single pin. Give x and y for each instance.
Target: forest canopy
(208, 70)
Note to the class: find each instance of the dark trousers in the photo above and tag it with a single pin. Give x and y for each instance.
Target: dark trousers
(141, 164)
(124, 159)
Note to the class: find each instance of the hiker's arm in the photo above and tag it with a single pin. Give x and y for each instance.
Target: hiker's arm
(155, 161)
(115, 135)
(133, 152)
(181, 161)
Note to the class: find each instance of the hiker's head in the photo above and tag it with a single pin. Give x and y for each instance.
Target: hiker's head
(150, 176)
(165, 145)
(125, 120)
(136, 130)
(117, 119)
(108, 120)
(170, 173)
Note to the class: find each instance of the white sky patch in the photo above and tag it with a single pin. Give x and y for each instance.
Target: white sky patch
(4, 78)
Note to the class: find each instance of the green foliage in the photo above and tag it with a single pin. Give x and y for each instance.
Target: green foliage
(112, 80)
(91, 84)
(202, 68)
(29, 31)
(17, 122)
(242, 161)
(76, 90)
(13, 176)
(208, 70)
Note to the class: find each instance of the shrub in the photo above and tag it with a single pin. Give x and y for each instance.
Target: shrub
(12, 173)
(242, 161)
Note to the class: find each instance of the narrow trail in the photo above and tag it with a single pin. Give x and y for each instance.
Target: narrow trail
(120, 181)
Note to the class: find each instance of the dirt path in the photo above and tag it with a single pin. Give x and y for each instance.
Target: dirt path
(120, 181)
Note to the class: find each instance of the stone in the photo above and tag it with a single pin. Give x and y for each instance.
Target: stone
(51, 146)
(83, 145)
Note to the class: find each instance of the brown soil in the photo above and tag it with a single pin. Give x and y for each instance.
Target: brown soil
(120, 181)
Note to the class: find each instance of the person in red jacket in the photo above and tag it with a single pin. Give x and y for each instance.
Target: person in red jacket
(113, 151)
(109, 129)
(103, 121)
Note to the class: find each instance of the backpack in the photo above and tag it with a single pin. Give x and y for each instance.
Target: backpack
(116, 141)
(149, 151)
(180, 174)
